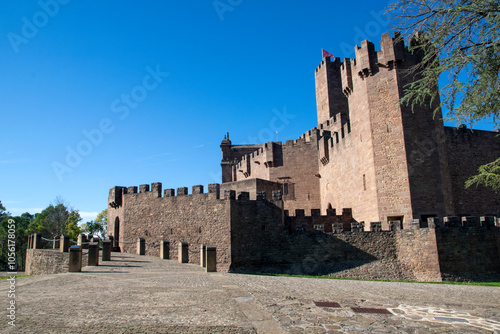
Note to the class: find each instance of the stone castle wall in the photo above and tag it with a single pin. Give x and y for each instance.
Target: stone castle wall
(260, 236)
(196, 219)
(467, 150)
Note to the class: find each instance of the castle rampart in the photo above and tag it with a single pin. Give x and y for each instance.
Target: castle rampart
(259, 235)
(389, 170)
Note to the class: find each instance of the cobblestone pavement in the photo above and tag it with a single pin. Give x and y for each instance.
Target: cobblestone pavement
(140, 294)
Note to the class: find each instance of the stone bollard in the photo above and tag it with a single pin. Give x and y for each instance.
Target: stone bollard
(203, 256)
(106, 250)
(141, 246)
(93, 254)
(211, 258)
(164, 249)
(183, 252)
(37, 241)
(75, 259)
(64, 244)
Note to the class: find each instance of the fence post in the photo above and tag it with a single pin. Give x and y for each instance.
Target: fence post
(141, 246)
(64, 244)
(37, 241)
(203, 256)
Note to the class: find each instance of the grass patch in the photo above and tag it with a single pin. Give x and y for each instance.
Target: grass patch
(495, 284)
(5, 277)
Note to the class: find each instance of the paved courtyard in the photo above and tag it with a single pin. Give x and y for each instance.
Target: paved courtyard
(140, 294)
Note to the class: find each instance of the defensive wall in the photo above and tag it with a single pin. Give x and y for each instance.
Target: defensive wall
(260, 236)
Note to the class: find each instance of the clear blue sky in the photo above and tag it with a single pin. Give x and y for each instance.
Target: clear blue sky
(155, 85)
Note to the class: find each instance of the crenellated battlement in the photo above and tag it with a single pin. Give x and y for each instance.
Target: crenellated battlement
(332, 223)
(267, 155)
(327, 62)
(368, 62)
(464, 222)
(116, 194)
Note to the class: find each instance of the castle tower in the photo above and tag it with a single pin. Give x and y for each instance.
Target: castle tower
(391, 162)
(330, 100)
(226, 163)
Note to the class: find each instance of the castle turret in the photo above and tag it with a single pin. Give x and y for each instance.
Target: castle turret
(226, 162)
(330, 100)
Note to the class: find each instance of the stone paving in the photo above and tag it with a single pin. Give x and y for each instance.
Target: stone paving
(140, 294)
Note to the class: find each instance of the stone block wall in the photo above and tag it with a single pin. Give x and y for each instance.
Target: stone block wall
(467, 150)
(48, 261)
(469, 253)
(417, 251)
(195, 219)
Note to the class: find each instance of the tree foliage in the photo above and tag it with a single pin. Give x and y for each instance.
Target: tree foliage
(461, 44)
(3, 213)
(102, 219)
(93, 227)
(97, 226)
(51, 222)
(72, 229)
(21, 232)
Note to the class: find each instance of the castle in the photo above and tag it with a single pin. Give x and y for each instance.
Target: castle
(391, 172)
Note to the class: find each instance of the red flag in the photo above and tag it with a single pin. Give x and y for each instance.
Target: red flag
(327, 54)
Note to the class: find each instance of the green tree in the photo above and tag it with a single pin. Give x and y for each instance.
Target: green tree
(460, 40)
(72, 228)
(52, 221)
(93, 228)
(21, 233)
(102, 219)
(3, 213)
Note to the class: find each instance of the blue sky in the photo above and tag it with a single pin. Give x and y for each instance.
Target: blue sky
(95, 94)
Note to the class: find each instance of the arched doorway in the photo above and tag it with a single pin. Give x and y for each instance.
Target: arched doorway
(116, 233)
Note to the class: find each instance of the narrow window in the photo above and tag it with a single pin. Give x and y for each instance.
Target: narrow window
(364, 181)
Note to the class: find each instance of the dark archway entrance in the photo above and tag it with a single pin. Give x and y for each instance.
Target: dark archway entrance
(116, 234)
